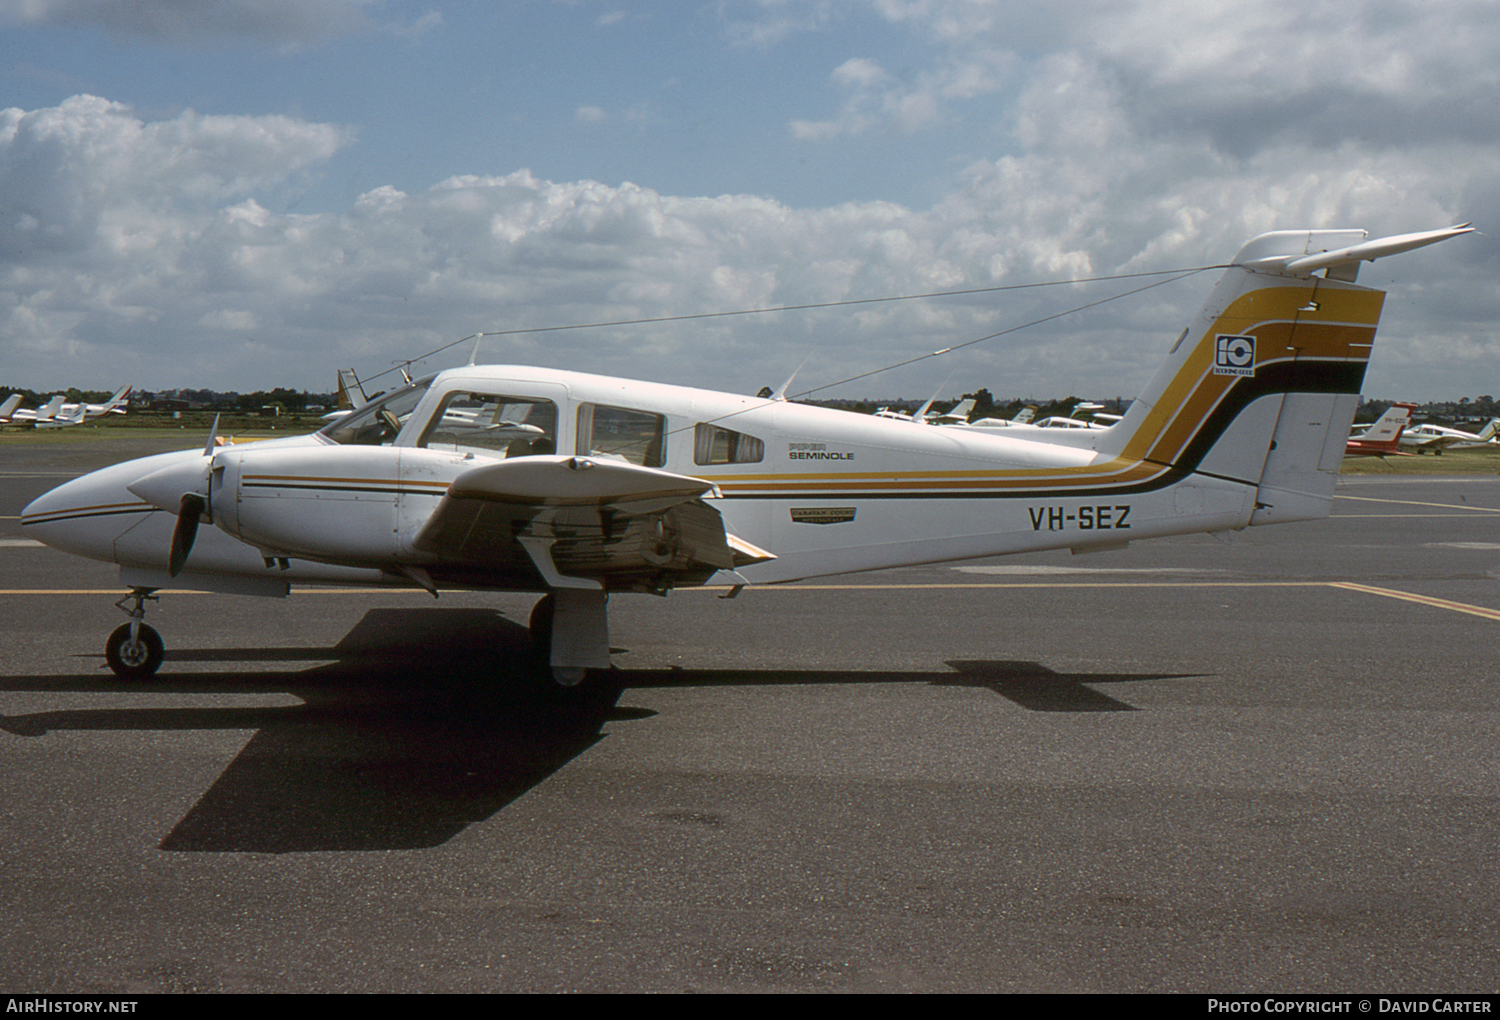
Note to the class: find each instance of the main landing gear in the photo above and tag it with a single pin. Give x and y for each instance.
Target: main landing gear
(134, 650)
(570, 630)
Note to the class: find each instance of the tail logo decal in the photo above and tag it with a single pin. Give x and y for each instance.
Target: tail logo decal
(1234, 355)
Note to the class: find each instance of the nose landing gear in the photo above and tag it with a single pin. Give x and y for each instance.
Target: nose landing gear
(134, 650)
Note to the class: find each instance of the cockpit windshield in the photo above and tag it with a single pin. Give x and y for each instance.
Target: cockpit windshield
(379, 421)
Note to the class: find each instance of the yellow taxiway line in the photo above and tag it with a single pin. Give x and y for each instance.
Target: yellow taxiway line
(1414, 502)
(1425, 600)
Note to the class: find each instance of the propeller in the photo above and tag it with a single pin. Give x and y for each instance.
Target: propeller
(192, 508)
(182, 488)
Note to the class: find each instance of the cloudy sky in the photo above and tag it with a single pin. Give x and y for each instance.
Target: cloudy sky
(241, 194)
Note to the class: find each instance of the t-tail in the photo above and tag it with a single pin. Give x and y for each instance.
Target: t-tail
(1262, 387)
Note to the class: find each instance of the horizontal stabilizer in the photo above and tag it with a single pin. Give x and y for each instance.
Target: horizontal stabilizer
(1306, 264)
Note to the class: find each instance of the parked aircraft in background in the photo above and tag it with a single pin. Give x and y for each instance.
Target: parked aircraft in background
(351, 391)
(114, 405)
(56, 414)
(22, 416)
(1049, 428)
(351, 395)
(958, 414)
(920, 415)
(1022, 419)
(1383, 437)
(662, 487)
(1436, 438)
(64, 418)
(1072, 421)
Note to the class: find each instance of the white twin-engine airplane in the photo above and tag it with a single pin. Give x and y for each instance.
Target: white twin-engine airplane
(579, 486)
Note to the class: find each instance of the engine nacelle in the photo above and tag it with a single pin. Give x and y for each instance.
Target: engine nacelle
(331, 504)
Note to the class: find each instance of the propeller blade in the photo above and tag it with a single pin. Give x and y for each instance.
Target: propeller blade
(185, 532)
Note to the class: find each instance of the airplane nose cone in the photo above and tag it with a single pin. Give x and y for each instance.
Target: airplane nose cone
(79, 517)
(165, 488)
(87, 515)
(43, 510)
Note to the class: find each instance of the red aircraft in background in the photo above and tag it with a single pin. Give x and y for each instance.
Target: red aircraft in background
(1384, 437)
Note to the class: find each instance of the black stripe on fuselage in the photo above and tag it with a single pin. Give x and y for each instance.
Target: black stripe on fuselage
(1283, 377)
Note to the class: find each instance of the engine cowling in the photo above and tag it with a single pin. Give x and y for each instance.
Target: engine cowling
(331, 504)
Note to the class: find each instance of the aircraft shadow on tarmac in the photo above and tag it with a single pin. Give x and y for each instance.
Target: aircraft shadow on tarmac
(421, 722)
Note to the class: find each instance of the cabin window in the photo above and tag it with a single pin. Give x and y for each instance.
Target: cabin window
(618, 433)
(379, 421)
(715, 445)
(495, 423)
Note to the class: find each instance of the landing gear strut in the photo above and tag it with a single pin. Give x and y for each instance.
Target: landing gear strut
(134, 650)
(570, 628)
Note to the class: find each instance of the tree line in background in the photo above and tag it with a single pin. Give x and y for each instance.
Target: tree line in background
(1483, 408)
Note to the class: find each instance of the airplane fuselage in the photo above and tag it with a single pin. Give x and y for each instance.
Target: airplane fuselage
(824, 491)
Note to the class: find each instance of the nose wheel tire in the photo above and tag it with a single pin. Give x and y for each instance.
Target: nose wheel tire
(133, 659)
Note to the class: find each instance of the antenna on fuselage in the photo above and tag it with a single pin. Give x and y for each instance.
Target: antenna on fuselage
(780, 392)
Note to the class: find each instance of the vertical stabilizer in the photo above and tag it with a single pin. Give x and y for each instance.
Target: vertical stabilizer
(1262, 387)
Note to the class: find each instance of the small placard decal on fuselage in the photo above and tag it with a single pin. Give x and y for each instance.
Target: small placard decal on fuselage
(1234, 355)
(814, 451)
(822, 514)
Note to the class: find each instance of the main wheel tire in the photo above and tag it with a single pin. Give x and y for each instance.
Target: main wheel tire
(563, 685)
(134, 660)
(541, 625)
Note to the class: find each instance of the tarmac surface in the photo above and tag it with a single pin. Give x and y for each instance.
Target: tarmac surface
(1266, 766)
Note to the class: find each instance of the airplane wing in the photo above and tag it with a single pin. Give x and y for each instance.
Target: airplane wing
(582, 522)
